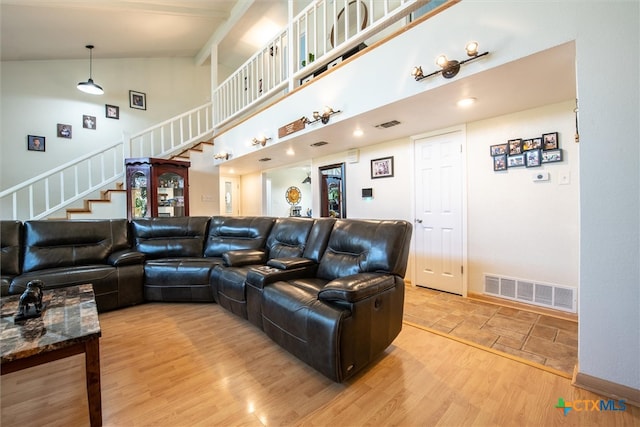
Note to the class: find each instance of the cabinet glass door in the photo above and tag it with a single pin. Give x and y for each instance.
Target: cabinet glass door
(139, 196)
(170, 194)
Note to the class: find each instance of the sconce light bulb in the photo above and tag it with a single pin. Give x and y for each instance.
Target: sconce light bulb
(316, 115)
(328, 110)
(472, 48)
(442, 61)
(416, 72)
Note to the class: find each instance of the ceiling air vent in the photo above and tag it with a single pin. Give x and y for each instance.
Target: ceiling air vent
(319, 143)
(265, 159)
(388, 124)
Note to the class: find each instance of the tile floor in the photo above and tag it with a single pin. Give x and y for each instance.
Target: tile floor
(539, 338)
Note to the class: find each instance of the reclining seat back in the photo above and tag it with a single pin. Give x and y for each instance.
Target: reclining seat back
(342, 319)
(169, 237)
(361, 246)
(64, 253)
(11, 242)
(175, 268)
(236, 233)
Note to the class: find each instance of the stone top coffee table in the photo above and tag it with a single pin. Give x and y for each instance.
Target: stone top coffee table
(69, 325)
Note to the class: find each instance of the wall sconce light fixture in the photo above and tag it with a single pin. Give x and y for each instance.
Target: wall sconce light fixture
(449, 68)
(223, 155)
(261, 140)
(323, 117)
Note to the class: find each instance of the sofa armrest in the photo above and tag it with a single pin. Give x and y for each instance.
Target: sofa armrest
(258, 277)
(290, 263)
(126, 257)
(239, 258)
(357, 287)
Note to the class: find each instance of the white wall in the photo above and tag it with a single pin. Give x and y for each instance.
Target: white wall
(37, 95)
(281, 180)
(609, 330)
(517, 227)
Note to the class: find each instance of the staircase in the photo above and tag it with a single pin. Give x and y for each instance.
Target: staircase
(98, 172)
(113, 202)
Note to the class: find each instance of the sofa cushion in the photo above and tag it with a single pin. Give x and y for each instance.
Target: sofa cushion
(288, 237)
(169, 237)
(179, 271)
(54, 244)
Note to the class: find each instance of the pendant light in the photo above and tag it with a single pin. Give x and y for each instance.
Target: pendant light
(89, 86)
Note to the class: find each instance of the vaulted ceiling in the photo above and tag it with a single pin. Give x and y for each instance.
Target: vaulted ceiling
(60, 29)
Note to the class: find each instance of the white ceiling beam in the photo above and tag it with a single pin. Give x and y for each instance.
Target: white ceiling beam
(237, 12)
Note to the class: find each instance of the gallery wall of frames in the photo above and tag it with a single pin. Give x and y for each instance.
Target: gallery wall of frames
(529, 152)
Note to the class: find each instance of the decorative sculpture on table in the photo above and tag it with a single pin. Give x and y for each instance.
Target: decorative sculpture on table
(30, 304)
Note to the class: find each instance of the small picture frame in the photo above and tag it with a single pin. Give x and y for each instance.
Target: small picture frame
(64, 131)
(537, 143)
(500, 162)
(112, 111)
(382, 168)
(36, 143)
(515, 146)
(515, 161)
(137, 100)
(527, 144)
(532, 158)
(89, 122)
(551, 156)
(550, 141)
(499, 149)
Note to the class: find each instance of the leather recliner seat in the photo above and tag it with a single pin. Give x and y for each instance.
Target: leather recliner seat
(65, 253)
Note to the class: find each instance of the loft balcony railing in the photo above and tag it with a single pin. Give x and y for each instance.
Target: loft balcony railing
(324, 31)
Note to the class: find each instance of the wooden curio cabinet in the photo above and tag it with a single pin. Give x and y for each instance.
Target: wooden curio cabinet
(157, 187)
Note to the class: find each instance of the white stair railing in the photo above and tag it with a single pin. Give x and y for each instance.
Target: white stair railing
(51, 191)
(178, 133)
(58, 188)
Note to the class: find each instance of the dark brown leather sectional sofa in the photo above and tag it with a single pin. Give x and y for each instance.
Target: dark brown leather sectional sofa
(329, 291)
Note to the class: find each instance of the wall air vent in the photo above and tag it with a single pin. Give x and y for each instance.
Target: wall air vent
(388, 124)
(319, 143)
(531, 292)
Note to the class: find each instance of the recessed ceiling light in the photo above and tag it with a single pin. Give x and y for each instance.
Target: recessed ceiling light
(466, 102)
(358, 132)
(290, 151)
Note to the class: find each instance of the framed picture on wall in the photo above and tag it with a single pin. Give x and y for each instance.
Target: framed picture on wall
(515, 146)
(89, 122)
(499, 149)
(500, 162)
(551, 156)
(550, 141)
(35, 143)
(532, 158)
(515, 161)
(382, 168)
(137, 100)
(64, 131)
(112, 111)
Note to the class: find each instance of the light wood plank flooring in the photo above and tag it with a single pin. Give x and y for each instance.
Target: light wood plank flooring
(199, 365)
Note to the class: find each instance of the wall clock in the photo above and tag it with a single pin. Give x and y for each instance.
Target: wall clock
(293, 195)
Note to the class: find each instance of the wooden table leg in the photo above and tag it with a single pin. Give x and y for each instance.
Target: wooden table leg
(94, 394)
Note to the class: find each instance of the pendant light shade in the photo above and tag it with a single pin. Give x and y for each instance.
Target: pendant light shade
(89, 86)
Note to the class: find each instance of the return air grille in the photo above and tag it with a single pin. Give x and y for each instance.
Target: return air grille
(531, 292)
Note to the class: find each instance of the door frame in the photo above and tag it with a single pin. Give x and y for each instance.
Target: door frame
(463, 180)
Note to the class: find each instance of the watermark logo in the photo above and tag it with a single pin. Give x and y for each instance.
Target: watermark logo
(590, 405)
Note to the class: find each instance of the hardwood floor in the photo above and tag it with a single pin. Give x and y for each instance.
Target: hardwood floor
(198, 365)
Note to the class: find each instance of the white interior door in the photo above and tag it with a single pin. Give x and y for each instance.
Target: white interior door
(438, 200)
